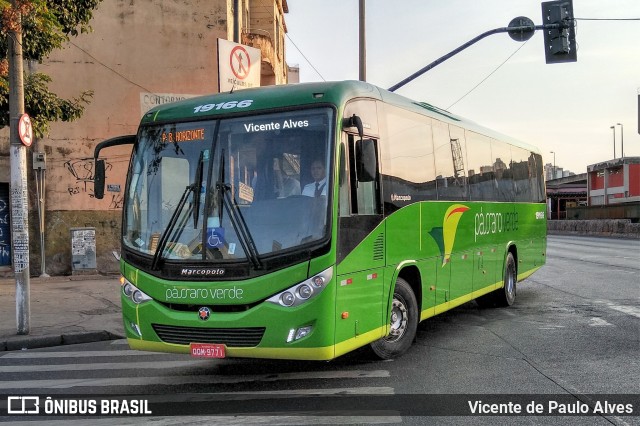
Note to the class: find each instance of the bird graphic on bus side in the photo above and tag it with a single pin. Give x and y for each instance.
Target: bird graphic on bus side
(446, 235)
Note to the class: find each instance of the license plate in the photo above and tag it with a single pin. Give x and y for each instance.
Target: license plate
(207, 350)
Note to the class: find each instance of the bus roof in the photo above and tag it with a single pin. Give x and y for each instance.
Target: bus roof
(337, 93)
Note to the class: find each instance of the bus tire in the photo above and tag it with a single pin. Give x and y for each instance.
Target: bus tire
(404, 323)
(506, 296)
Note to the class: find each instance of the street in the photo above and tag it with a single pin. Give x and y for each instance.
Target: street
(574, 330)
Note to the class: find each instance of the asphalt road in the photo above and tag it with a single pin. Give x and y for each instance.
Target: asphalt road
(574, 332)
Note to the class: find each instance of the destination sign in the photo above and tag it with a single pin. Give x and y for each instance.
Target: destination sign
(183, 135)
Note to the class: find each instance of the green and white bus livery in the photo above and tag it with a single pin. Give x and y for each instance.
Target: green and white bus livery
(305, 221)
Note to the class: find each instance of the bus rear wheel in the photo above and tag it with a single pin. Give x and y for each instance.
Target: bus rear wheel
(403, 323)
(506, 295)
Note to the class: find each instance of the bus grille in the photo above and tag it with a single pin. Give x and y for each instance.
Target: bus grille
(233, 337)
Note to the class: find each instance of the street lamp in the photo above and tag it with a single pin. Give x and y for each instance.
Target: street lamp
(554, 164)
(621, 138)
(614, 141)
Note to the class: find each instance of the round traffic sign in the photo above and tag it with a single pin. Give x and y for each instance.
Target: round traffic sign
(25, 131)
(523, 28)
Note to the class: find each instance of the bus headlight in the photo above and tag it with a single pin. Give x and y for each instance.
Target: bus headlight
(287, 299)
(304, 291)
(301, 292)
(133, 293)
(128, 289)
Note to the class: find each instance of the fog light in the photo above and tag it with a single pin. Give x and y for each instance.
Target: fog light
(305, 291)
(287, 298)
(303, 332)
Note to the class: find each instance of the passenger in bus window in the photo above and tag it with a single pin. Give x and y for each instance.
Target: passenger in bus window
(319, 185)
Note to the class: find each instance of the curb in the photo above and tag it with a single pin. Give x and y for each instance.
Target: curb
(34, 342)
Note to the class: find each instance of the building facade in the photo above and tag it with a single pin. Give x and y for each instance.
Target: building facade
(139, 55)
(564, 194)
(614, 182)
(613, 190)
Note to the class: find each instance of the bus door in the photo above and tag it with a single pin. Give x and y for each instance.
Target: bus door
(361, 238)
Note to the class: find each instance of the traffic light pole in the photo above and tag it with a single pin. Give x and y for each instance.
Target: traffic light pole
(522, 30)
(19, 193)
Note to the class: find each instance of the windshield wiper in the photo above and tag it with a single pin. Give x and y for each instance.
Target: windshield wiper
(196, 187)
(162, 242)
(237, 220)
(197, 190)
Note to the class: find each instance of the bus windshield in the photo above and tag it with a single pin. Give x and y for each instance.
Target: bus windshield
(236, 189)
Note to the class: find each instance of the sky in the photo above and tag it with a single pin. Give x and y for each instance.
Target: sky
(567, 108)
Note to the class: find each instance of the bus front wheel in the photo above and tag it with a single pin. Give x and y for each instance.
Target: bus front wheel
(403, 323)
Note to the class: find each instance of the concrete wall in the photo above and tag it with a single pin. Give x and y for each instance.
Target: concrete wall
(137, 49)
(618, 228)
(140, 54)
(58, 240)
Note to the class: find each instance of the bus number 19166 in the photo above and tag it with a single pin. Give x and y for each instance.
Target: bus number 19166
(224, 105)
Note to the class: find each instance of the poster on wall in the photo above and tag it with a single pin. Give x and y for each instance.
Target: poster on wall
(5, 230)
(83, 249)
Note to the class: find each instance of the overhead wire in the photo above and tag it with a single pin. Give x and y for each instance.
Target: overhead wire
(489, 75)
(606, 19)
(516, 51)
(109, 68)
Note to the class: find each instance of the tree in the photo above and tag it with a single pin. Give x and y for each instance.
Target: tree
(46, 26)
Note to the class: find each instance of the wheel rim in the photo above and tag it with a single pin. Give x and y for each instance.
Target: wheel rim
(510, 284)
(399, 318)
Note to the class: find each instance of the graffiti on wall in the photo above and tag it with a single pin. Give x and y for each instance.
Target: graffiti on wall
(83, 171)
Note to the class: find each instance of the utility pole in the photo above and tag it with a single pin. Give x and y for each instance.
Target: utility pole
(621, 139)
(236, 21)
(614, 141)
(363, 45)
(19, 193)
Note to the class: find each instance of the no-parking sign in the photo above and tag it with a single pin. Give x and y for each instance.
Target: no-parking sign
(25, 131)
(238, 66)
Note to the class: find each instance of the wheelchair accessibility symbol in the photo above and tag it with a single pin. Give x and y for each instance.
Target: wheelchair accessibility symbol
(215, 237)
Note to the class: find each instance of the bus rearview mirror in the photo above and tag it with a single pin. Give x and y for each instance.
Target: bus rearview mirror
(98, 180)
(354, 121)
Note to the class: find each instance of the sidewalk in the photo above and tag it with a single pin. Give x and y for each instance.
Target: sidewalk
(64, 310)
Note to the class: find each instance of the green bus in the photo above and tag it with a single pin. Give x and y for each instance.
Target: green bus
(305, 221)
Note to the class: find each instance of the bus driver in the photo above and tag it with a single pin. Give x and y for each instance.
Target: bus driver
(319, 185)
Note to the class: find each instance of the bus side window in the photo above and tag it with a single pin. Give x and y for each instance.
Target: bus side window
(365, 199)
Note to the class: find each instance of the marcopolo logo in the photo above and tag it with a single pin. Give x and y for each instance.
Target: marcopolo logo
(205, 272)
(403, 197)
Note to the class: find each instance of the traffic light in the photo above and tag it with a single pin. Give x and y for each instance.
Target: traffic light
(559, 42)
